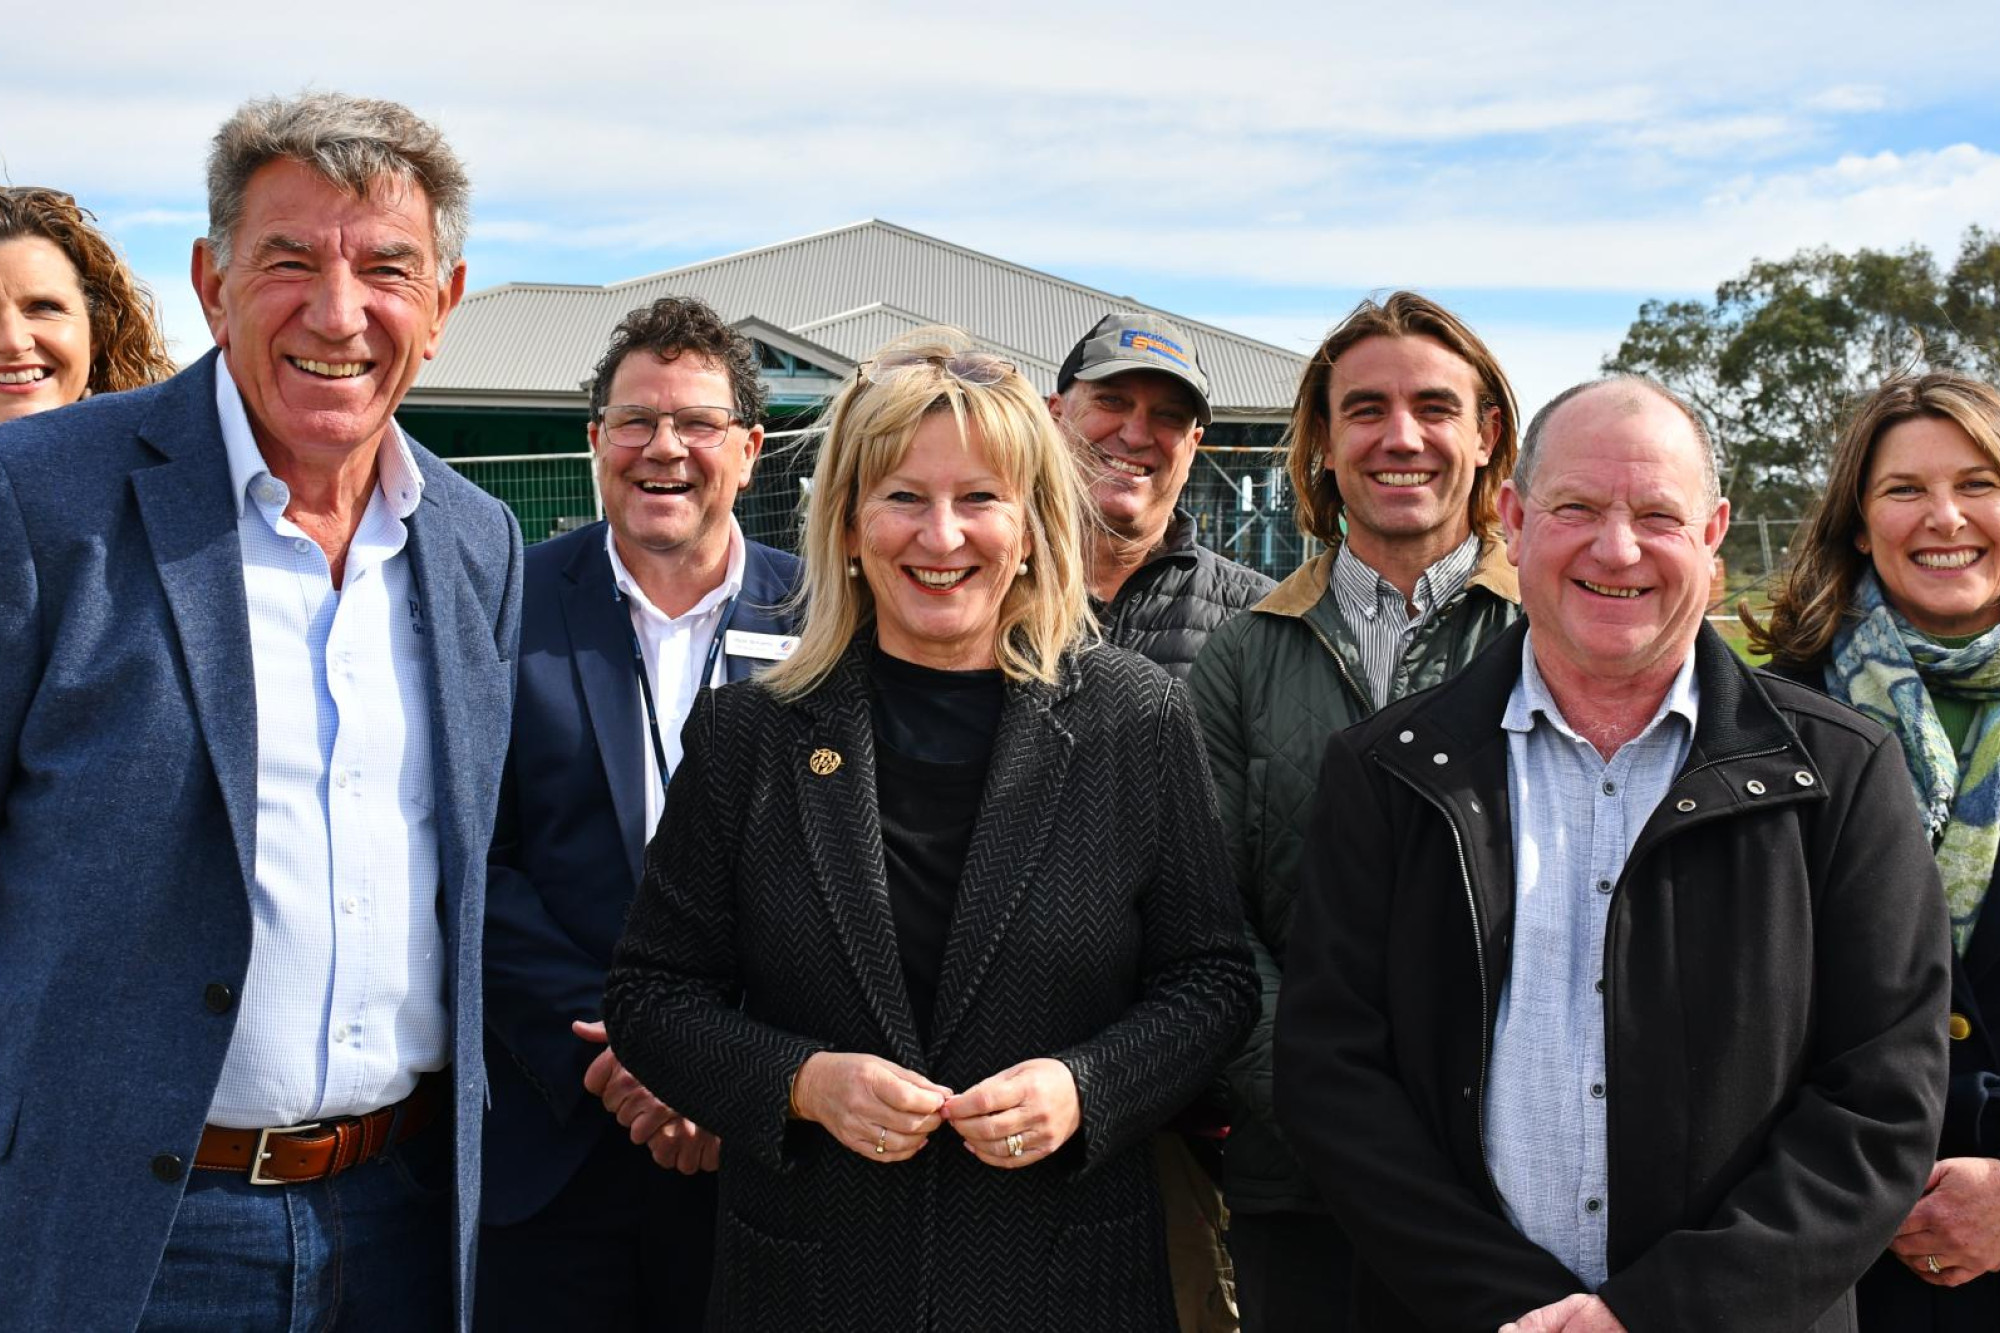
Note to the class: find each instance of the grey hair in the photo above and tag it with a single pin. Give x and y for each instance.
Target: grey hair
(1531, 443)
(352, 143)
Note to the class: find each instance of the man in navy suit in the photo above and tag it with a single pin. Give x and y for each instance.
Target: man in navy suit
(598, 1212)
(256, 676)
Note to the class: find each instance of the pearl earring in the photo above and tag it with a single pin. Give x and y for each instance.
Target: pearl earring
(854, 569)
(1023, 570)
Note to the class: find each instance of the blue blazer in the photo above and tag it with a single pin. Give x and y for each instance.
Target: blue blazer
(568, 849)
(128, 807)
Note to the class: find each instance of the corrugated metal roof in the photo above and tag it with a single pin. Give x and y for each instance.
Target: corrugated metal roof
(849, 290)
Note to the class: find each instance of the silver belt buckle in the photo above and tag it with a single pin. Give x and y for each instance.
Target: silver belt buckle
(257, 1176)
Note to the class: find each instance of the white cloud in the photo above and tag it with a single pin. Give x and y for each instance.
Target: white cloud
(1291, 145)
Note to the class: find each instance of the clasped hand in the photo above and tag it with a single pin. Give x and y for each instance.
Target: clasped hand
(1578, 1313)
(676, 1142)
(883, 1111)
(1956, 1224)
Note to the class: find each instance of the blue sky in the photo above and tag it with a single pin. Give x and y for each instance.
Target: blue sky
(1259, 165)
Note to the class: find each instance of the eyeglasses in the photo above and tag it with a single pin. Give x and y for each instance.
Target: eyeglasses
(695, 427)
(980, 369)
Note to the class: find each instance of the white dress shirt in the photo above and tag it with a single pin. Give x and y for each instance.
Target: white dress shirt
(344, 1002)
(674, 647)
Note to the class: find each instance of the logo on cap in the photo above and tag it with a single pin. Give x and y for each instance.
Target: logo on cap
(1152, 342)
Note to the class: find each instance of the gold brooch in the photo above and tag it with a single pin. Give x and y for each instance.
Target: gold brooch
(823, 762)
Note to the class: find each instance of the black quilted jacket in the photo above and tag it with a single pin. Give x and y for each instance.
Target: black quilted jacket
(1095, 923)
(1170, 605)
(1270, 688)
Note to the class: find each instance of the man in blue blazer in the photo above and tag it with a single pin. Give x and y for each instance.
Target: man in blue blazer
(254, 691)
(597, 1210)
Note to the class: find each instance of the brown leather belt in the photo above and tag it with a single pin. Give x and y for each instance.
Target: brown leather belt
(293, 1154)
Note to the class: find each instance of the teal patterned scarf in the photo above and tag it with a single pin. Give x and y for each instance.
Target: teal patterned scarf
(1886, 668)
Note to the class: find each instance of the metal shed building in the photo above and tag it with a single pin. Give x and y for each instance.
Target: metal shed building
(504, 399)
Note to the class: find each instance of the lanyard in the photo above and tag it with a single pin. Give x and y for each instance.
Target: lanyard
(728, 611)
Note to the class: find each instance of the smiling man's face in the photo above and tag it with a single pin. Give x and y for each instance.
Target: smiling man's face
(1409, 437)
(1615, 538)
(668, 498)
(329, 306)
(1136, 433)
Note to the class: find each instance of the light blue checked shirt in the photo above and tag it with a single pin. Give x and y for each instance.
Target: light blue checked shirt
(1575, 820)
(1378, 617)
(344, 1002)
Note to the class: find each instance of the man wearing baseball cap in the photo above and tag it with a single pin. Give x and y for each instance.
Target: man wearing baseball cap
(1133, 399)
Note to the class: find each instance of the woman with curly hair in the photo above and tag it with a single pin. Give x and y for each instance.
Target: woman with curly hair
(73, 319)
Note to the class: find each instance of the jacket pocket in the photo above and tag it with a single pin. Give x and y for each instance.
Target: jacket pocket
(769, 1282)
(1111, 1275)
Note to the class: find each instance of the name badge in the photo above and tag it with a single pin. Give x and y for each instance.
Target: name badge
(765, 647)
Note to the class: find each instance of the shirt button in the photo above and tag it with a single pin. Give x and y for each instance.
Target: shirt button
(340, 1033)
(216, 998)
(350, 905)
(1593, 1205)
(268, 492)
(167, 1168)
(1600, 985)
(340, 777)
(1597, 1089)
(1610, 787)
(1604, 886)
(301, 545)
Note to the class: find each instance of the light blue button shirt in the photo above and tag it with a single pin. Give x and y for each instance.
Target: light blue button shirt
(344, 1002)
(1575, 817)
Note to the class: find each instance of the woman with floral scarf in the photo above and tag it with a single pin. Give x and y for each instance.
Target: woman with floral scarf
(1892, 605)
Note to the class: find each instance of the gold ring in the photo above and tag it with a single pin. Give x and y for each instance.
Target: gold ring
(1016, 1145)
(1930, 1262)
(882, 1140)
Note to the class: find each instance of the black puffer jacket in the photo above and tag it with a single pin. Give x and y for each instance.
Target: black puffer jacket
(1182, 594)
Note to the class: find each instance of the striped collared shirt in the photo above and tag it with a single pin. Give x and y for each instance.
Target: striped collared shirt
(343, 1005)
(1576, 816)
(1379, 618)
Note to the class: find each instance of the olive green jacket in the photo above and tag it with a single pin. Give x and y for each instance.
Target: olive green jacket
(1270, 687)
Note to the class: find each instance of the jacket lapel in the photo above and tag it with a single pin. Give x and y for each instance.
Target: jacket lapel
(600, 640)
(833, 774)
(190, 520)
(1455, 750)
(1024, 787)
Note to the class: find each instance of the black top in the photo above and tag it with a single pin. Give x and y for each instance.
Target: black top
(933, 736)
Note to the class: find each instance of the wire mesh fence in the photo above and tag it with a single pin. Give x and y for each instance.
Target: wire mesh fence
(549, 493)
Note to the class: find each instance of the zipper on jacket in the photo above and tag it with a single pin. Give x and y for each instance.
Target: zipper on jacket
(1367, 701)
(1604, 962)
(1479, 953)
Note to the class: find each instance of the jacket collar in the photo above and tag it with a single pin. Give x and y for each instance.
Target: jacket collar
(1025, 777)
(1736, 718)
(1311, 583)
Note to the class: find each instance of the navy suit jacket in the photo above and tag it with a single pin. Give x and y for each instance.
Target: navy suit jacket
(128, 806)
(568, 849)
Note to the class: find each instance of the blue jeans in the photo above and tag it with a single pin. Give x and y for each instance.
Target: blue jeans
(368, 1249)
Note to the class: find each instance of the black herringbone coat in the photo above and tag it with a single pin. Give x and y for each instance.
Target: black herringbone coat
(1096, 922)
